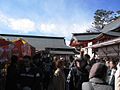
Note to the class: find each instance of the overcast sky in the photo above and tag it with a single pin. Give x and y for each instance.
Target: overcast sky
(50, 17)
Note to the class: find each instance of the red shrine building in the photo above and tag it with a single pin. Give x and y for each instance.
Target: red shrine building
(105, 44)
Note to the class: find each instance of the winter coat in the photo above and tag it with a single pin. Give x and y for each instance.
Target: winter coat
(117, 79)
(59, 80)
(28, 77)
(117, 83)
(11, 78)
(95, 84)
(112, 78)
(76, 77)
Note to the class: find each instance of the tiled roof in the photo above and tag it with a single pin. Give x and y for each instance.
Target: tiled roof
(113, 33)
(109, 29)
(111, 26)
(40, 42)
(85, 36)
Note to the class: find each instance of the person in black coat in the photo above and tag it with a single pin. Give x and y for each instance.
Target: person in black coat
(77, 75)
(12, 75)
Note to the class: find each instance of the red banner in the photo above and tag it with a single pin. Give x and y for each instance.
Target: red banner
(19, 47)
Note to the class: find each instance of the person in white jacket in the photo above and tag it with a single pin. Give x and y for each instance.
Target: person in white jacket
(117, 77)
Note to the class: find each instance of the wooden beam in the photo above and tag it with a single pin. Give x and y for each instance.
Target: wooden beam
(104, 52)
(115, 49)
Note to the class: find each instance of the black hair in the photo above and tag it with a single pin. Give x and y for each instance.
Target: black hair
(26, 56)
(14, 59)
(87, 56)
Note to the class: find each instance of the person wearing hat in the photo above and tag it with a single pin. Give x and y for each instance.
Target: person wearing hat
(97, 78)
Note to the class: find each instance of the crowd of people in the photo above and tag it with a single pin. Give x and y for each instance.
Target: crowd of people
(44, 72)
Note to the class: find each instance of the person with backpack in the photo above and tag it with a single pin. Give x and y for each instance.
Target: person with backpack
(97, 78)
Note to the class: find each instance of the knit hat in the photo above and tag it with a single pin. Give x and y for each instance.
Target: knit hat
(98, 70)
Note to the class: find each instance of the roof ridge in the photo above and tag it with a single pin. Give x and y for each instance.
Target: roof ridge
(91, 33)
(33, 36)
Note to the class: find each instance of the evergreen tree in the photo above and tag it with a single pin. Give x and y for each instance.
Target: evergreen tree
(101, 18)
